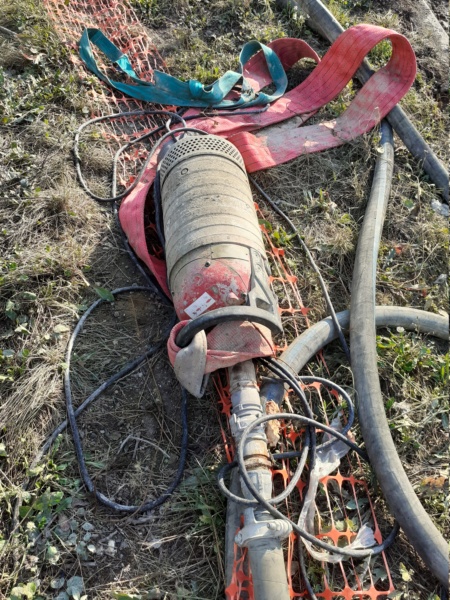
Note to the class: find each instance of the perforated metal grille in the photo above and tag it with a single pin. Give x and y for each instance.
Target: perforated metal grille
(199, 144)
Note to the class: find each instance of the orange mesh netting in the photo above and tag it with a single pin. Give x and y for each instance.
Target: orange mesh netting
(119, 22)
(343, 500)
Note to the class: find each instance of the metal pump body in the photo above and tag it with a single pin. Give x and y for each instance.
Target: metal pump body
(214, 248)
(216, 265)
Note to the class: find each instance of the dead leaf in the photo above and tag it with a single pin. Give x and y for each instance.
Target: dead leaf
(434, 485)
(272, 427)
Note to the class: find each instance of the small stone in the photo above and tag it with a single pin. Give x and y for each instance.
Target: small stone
(111, 549)
(440, 208)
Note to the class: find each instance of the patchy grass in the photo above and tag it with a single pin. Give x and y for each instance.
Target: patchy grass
(58, 245)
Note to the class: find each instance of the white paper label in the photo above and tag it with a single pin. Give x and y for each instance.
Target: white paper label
(199, 306)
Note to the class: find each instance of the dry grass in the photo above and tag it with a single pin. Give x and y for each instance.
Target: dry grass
(58, 244)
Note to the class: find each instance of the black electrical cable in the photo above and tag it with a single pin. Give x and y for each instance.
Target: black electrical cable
(72, 414)
(289, 376)
(276, 367)
(122, 149)
(224, 315)
(306, 346)
(294, 380)
(232, 112)
(158, 209)
(277, 514)
(126, 369)
(280, 370)
(311, 424)
(140, 113)
(133, 364)
(322, 283)
(304, 571)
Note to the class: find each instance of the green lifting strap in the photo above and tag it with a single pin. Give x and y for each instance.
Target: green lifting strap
(166, 89)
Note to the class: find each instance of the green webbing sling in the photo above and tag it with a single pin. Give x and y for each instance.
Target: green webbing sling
(166, 89)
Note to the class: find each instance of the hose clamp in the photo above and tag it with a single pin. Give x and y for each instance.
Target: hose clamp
(275, 529)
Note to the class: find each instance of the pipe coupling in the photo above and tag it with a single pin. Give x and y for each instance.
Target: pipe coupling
(263, 530)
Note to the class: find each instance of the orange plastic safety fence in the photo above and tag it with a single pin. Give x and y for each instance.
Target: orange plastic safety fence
(118, 21)
(343, 500)
(294, 314)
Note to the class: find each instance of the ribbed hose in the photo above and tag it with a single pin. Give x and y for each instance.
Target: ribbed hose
(321, 20)
(401, 498)
(312, 340)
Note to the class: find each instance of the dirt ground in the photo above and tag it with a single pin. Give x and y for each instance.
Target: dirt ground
(431, 33)
(59, 247)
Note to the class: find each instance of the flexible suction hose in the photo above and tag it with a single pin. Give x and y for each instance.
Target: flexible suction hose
(402, 500)
(321, 20)
(312, 340)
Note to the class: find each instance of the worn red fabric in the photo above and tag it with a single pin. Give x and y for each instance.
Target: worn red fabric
(262, 150)
(229, 344)
(375, 99)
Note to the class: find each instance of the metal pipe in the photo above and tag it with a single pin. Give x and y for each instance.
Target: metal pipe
(321, 20)
(262, 534)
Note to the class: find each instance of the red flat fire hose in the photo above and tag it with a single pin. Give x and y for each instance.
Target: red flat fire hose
(376, 98)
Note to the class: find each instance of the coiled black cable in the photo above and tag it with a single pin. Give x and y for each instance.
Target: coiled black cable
(72, 414)
(308, 448)
(122, 149)
(158, 209)
(283, 373)
(311, 425)
(140, 113)
(277, 514)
